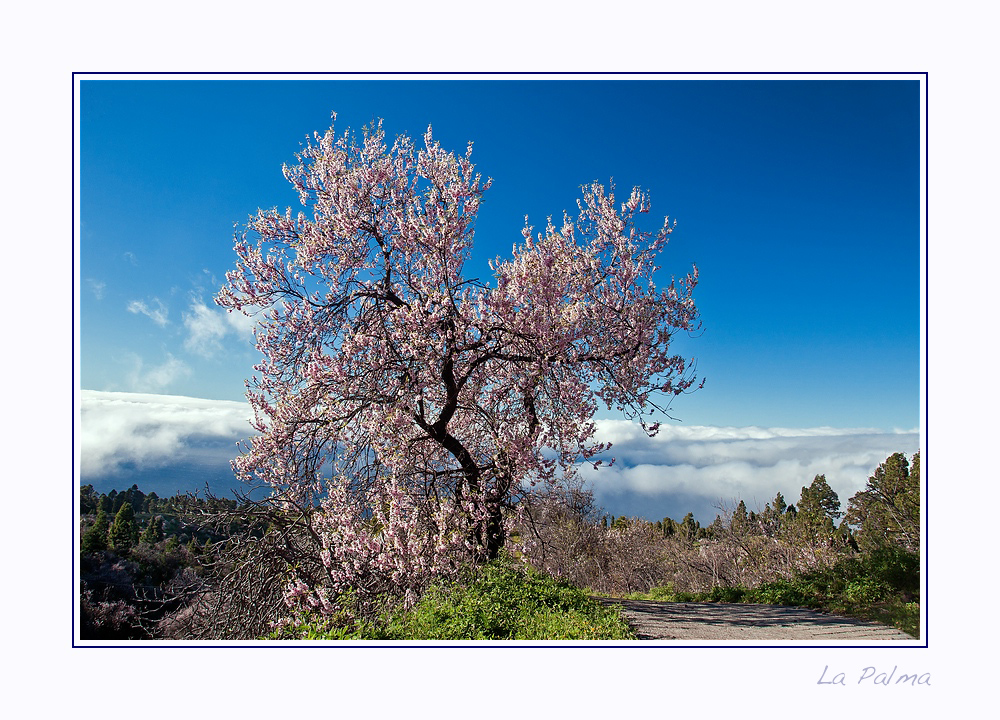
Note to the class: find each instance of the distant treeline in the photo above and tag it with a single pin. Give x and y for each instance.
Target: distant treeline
(887, 510)
(111, 502)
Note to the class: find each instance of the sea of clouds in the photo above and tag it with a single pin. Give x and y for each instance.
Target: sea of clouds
(163, 443)
(167, 443)
(698, 468)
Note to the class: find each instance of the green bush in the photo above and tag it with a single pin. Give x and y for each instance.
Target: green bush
(864, 591)
(780, 592)
(665, 593)
(500, 601)
(726, 594)
(865, 579)
(897, 568)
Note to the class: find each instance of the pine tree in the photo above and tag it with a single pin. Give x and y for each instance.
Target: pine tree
(818, 510)
(151, 503)
(124, 533)
(88, 500)
(887, 511)
(819, 500)
(740, 523)
(689, 526)
(135, 497)
(153, 531)
(772, 517)
(96, 537)
(117, 499)
(778, 504)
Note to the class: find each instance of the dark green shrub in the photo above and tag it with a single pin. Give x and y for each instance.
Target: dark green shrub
(896, 567)
(726, 594)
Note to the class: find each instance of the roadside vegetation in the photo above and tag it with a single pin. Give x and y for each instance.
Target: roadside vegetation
(882, 587)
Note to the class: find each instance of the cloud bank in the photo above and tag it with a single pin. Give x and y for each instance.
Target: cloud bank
(136, 437)
(127, 433)
(692, 469)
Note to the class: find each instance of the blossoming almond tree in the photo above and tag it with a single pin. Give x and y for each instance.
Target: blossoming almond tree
(413, 403)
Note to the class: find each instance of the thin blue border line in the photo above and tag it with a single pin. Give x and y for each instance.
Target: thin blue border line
(512, 74)
(927, 358)
(75, 593)
(926, 630)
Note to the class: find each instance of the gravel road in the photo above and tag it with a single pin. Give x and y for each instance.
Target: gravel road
(654, 620)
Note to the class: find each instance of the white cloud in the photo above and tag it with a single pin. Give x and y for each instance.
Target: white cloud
(207, 327)
(156, 378)
(157, 314)
(146, 430)
(97, 287)
(748, 463)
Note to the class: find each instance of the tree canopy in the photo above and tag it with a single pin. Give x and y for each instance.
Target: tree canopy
(887, 511)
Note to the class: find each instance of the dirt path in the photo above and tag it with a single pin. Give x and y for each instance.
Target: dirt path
(654, 620)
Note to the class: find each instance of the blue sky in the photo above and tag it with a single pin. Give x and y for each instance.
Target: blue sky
(798, 199)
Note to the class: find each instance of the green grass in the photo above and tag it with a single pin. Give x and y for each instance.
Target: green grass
(500, 601)
(883, 587)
